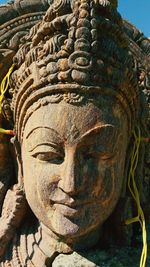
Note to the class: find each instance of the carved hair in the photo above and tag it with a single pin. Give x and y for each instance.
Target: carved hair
(80, 46)
(81, 49)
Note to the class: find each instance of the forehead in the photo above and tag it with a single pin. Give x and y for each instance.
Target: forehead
(67, 119)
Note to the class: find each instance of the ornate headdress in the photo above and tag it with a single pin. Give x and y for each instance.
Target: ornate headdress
(79, 47)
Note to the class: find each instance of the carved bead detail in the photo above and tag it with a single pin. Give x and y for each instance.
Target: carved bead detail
(80, 60)
(73, 98)
(74, 44)
(52, 67)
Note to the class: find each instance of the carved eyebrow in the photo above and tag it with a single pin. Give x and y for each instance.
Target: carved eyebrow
(41, 127)
(97, 129)
(50, 144)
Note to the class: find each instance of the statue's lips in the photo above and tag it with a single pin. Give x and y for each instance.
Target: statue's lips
(71, 209)
(66, 210)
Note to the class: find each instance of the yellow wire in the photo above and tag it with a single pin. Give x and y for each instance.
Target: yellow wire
(3, 88)
(135, 194)
(8, 132)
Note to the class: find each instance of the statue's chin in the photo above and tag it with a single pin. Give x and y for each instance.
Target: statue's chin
(68, 222)
(65, 227)
(74, 232)
(69, 236)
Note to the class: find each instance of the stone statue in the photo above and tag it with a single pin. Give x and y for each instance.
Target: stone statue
(78, 91)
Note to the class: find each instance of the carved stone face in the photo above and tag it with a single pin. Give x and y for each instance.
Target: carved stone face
(73, 165)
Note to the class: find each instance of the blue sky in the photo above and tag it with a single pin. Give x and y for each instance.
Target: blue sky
(136, 11)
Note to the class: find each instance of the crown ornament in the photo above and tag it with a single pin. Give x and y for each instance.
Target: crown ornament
(79, 47)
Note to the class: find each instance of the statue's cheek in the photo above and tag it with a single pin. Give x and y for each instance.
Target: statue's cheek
(47, 182)
(110, 185)
(32, 171)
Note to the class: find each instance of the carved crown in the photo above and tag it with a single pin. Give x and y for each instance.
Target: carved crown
(79, 46)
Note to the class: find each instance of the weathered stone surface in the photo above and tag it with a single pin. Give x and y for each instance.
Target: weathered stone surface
(78, 102)
(73, 260)
(112, 257)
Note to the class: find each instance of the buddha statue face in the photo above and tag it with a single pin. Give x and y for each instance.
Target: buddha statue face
(73, 164)
(73, 153)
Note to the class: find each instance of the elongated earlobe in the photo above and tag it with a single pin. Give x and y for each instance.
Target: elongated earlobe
(18, 161)
(13, 212)
(14, 205)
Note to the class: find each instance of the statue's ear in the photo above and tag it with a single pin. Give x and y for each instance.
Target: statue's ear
(139, 46)
(13, 204)
(16, 20)
(16, 151)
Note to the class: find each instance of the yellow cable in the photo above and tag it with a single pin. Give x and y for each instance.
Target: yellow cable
(8, 132)
(3, 88)
(135, 194)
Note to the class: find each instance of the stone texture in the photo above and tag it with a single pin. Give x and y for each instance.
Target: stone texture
(78, 91)
(73, 260)
(114, 257)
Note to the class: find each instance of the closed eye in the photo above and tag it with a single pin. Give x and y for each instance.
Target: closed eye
(48, 154)
(99, 155)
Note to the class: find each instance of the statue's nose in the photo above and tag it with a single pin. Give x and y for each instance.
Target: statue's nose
(70, 173)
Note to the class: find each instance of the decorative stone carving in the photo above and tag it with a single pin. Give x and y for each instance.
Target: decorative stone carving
(77, 93)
